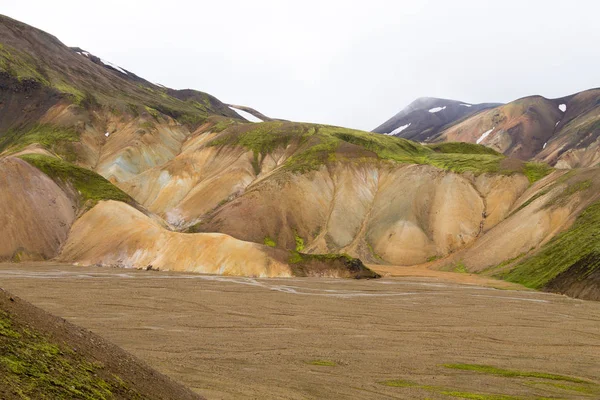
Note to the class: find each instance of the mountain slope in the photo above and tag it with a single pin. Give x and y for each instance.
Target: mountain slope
(576, 139)
(42, 356)
(425, 117)
(519, 129)
(31, 55)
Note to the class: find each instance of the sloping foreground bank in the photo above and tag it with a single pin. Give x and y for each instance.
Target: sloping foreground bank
(46, 357)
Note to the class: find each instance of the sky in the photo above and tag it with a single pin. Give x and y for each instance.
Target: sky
(348, 63)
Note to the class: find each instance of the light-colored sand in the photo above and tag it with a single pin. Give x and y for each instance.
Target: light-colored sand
(244, 338)
(424, 271)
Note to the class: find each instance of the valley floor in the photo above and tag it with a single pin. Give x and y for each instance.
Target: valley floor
(427, 271)
(412, 337)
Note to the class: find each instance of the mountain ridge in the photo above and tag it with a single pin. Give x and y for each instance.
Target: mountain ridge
(426, 116)
(528, 128)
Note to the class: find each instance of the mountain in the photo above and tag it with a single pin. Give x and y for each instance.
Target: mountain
(72, 126)
(100, 167)
(425, 117)
(562, 132)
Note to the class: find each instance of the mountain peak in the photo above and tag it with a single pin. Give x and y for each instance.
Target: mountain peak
(425, 117)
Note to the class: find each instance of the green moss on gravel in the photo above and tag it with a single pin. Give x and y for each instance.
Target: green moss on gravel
(478, 396)
(537, 378)
(510, 373)
(90, 186)
(579, 388)
(33, 367)
(401, 383)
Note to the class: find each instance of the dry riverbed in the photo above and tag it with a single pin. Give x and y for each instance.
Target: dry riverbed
(414, 337)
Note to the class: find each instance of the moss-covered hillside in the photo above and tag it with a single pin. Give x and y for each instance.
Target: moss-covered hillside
(34, 367)
(315, 145)
(90, 186)
(577, 248)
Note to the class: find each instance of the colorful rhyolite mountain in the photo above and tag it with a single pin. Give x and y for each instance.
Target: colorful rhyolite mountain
(563, 132)
(99, 166)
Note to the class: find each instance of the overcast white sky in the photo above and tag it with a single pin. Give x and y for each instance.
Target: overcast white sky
(349, 63)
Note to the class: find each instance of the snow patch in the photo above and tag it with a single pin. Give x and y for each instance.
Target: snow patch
(399, 129)
(484, 135)
(437, 109)
(113, 65)
(555, 125)
(465, 105)
(562, 107)
(545, 144)
(107, 134)
(246, 115)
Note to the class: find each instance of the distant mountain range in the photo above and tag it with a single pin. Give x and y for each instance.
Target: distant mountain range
(563, 132)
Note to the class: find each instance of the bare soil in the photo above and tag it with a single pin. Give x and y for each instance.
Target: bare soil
(298, 338)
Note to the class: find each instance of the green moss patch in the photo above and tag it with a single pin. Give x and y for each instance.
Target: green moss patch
(401, 383)
(319, 264)
(19, 65)
(478, 396)
(461, 268)
(535, 171)
(154, 113)
(299, 242)
(462, 148)
(57, 139)
(77, 95)
(269, 242)
(322, 363)
(510, 373)
(552, 381)
(579, 388)
(90, 186)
